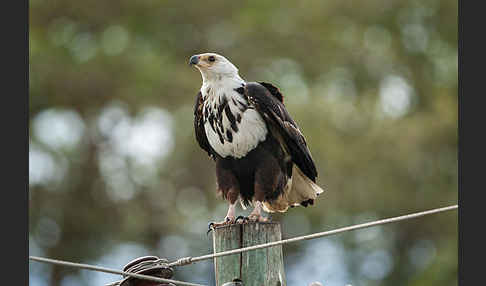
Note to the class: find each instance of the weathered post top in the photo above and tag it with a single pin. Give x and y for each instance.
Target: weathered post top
(261, 267)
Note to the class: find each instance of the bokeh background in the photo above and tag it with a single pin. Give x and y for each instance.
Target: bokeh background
(115, 172)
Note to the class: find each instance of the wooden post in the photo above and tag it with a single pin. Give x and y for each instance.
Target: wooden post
(261, 267)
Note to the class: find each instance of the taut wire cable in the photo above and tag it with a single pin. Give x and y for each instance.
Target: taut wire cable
(189, 260)
(108, 270)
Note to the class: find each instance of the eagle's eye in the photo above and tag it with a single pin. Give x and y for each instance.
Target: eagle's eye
(211, 58)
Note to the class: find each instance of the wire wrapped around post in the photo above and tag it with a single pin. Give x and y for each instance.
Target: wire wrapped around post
(147, 265)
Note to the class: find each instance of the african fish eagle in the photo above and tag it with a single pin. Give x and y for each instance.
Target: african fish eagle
(261, 155)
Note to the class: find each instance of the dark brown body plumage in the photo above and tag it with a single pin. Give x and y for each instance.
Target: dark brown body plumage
(260, 175)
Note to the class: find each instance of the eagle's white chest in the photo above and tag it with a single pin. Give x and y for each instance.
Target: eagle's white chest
(233, 128)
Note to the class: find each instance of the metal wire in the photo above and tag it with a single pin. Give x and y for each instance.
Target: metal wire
(189, 260)
(108, 270)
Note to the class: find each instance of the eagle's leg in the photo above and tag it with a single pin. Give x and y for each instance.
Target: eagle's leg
(228, 219)
(228, 186)
(256, 214)
(268, 180)
(230, 216)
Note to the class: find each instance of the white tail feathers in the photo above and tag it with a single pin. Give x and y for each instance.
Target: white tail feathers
(299, 189)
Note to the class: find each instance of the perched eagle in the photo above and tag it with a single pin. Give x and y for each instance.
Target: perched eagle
(261, 155)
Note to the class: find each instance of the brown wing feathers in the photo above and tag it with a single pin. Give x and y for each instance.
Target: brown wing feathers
(269, 102)
(199, 126)
(273, 90)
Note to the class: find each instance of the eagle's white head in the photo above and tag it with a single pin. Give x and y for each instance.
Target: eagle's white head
(214, 67)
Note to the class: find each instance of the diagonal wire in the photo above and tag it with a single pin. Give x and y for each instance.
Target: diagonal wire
(189, 260)
(108, 270)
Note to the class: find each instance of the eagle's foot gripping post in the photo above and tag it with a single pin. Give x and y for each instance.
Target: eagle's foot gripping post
(242, 218)
(257, 218)
(228, 220)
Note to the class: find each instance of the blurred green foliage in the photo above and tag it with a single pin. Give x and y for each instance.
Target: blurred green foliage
(115, 171)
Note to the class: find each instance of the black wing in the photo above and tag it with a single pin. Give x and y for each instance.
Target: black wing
(268, 101)
(199, 126)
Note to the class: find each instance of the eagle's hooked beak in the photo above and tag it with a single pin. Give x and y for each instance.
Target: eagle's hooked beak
(194, 60)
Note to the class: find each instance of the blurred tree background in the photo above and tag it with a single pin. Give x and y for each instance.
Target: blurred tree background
(115, 171)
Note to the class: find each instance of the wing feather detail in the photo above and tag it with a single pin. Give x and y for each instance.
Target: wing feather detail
(268, 101)
(199, 126)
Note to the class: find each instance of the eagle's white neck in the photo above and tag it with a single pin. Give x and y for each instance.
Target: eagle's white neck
(214, 88)
(221, 80)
